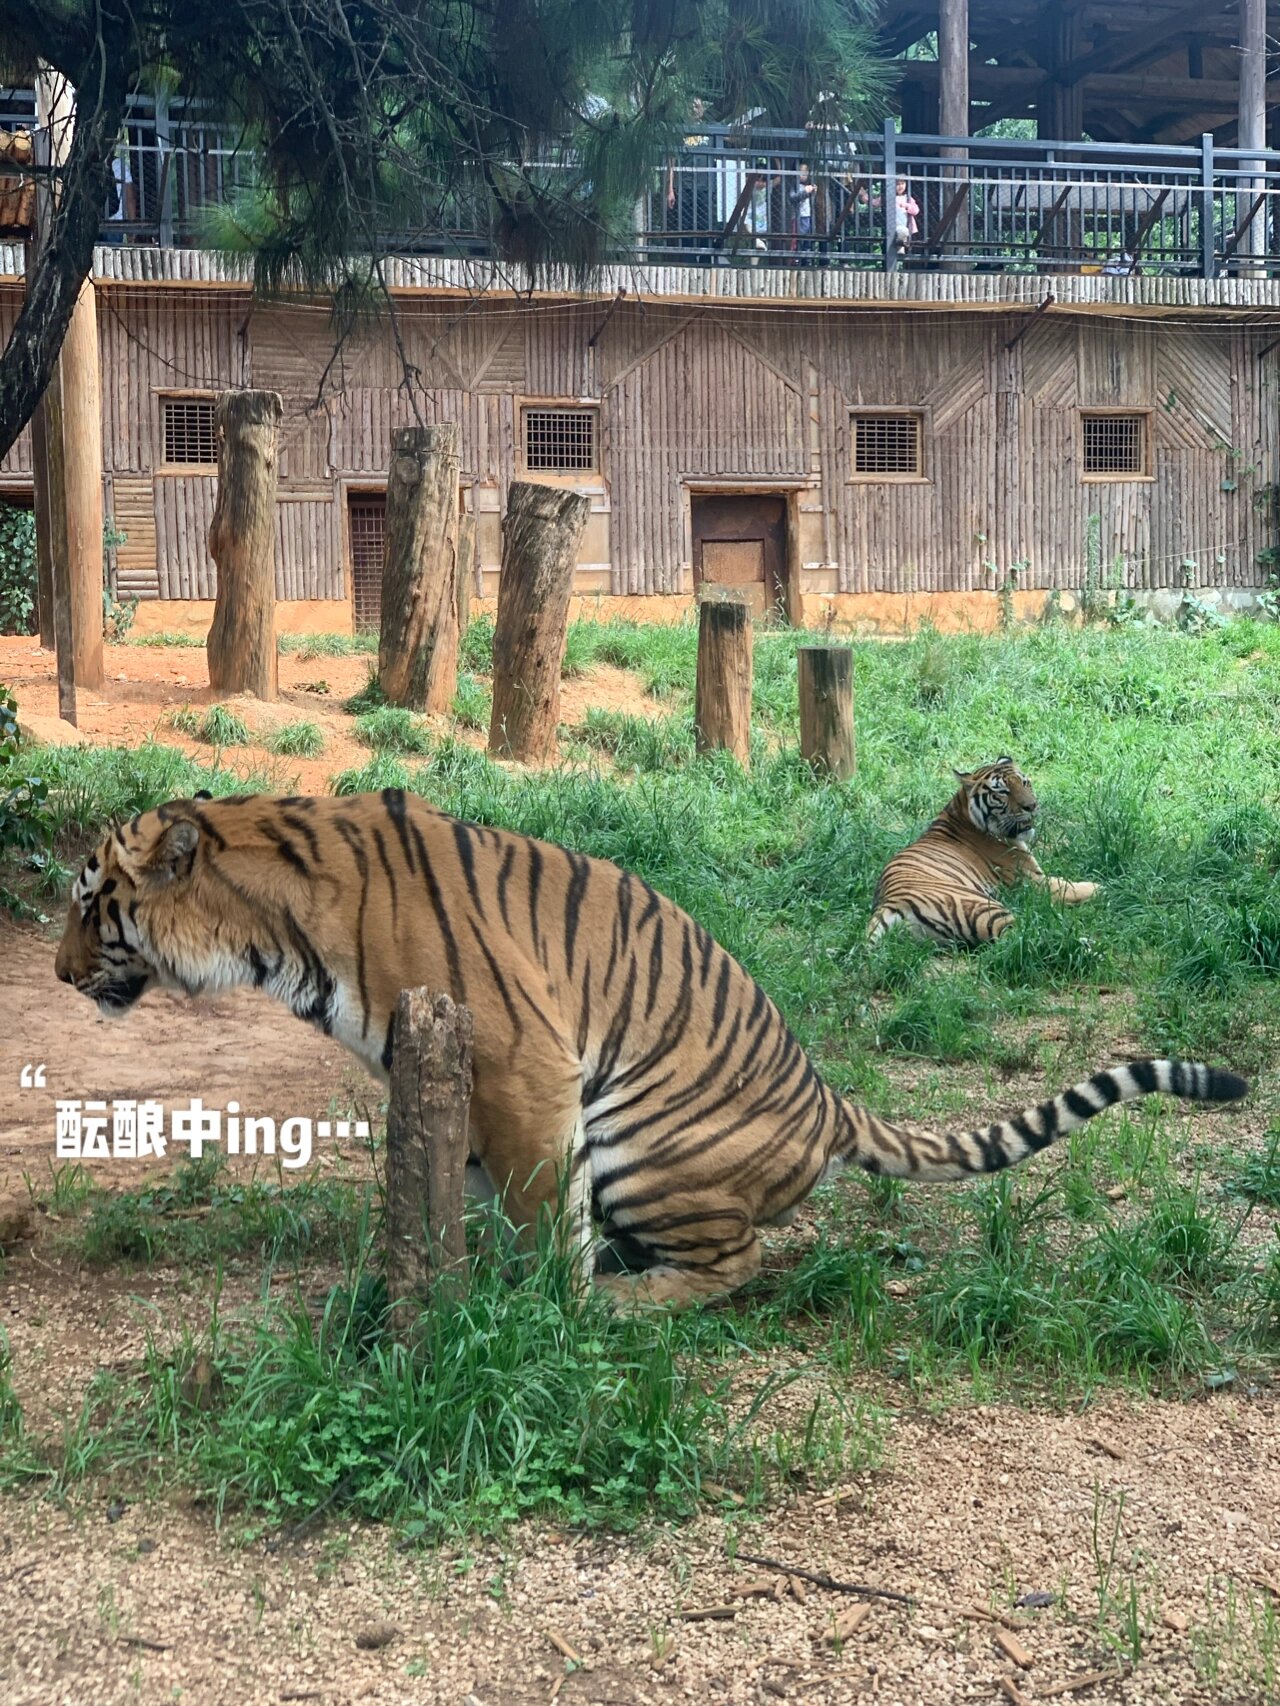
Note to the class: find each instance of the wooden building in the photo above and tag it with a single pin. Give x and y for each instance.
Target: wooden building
(1066, 376)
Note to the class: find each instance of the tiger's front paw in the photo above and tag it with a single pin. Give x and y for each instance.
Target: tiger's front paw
(1086, 891)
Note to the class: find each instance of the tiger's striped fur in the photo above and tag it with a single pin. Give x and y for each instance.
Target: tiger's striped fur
(944, 885)
(615, 1042)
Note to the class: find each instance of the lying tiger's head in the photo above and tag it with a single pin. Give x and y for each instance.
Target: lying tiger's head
(119, 903)
(1000, 801)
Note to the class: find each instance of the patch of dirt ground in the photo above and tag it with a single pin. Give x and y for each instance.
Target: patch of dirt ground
(146, 684)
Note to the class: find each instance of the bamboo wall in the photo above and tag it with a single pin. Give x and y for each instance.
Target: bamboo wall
(756, 396)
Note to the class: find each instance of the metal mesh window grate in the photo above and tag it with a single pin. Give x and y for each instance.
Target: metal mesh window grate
(886, 444)
(367, 529)
(189, 436)
(560, 441)
(1115, 444)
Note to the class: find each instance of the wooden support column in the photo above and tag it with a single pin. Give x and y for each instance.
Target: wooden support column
(1252, 125)
(466, 568)
(242, 541)
(1060, 108)
(825, 676)
(418, 633)
(722, 708)
(71, 494)
(541, 533)
(427, 1148)
(953, 101)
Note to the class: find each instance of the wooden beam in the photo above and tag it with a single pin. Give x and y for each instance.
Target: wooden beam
(953, 103)
(1001, 83)
(1137, 47)
(1252, 116)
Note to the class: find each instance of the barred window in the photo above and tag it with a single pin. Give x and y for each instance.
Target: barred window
(560, 441)
(887, 446)
(1115, 445)
(366, 527)
(189, 436)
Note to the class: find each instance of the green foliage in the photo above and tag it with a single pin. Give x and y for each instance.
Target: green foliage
(26, 822)
(218, 726)
(367, 698)
(393, 729)
(308, 646)
(472, 703)
(297, 740)
(17, 570)
(476, 651)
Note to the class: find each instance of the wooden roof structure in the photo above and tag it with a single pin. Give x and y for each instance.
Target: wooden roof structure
(1111, 70)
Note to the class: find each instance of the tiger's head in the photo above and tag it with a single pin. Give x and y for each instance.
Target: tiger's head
(133, 889)
(1000, 801)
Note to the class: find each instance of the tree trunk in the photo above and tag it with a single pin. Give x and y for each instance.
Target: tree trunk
(40, 507)
(826, 709)
(466, 567)
(427, 1147)
(60, 582)
(418, 633)
(953, 111)
(541, 533)
(722, 710)
(242, 542)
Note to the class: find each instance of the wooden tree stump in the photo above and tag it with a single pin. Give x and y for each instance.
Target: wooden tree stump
(826, 709)
(427, 1148)
(722, 708)
(541, 533)
(242, 542)
(418, 634)
(466, 567)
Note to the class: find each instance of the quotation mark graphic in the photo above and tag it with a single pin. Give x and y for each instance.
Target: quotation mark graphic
(32, 1077)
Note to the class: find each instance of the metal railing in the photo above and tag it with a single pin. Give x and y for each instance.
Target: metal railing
(744, 195)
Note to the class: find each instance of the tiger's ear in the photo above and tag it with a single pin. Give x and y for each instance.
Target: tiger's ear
(174, 853)
(962, 775)
(1004, 759)
(203, 794)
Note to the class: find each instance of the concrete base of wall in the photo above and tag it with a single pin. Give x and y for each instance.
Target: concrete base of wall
(192, 616)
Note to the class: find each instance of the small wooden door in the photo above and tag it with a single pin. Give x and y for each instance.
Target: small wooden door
(740, 548)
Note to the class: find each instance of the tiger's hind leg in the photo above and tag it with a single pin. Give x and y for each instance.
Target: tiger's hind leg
(946, 916)
(533, 1149)
(979, 919)
(707, 1250)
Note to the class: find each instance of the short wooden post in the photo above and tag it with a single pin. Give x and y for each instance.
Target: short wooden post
(418, 633)
(722, 709)
(427, 1148)
(541, 533)
(826, 709)
(242, 541)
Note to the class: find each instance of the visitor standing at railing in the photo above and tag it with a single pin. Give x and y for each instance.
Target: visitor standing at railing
(690, 192)
(906, 214)
(802, 199)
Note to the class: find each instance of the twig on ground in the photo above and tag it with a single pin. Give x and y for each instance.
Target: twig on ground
(821, 1580)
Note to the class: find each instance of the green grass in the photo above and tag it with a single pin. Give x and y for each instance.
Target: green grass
(297, 740)
(392, 729)
(218, 726)
(308, 646)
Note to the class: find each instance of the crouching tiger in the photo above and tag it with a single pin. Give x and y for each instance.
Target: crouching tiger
(622, 1058)
(943, 887)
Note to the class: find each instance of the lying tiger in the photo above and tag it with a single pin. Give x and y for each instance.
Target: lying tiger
(944, 885)
(621, 1056)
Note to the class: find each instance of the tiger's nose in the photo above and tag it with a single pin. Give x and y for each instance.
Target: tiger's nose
(63, 970)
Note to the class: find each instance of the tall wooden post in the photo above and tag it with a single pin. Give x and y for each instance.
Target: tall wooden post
(722, 700)
(953, 105)
(418, 631)
(427, 1147)
(71, 493)
(242, 541)
(825, 680)
(1062, 117)
(1252, 126)
(541, 533)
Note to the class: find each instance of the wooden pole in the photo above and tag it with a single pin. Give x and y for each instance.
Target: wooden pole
(466, 567)
(72, 408)
(826, 709)
(953, 102)
(78, 365)
(40, 507)
(427, 1147)
(1252, 123)
(541, 533)
(242, 541)
(418, 631)
(722, 710)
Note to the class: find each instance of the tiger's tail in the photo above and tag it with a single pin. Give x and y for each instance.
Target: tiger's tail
(907, 1151)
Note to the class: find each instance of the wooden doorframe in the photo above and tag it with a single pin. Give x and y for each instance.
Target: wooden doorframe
(790, 491)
